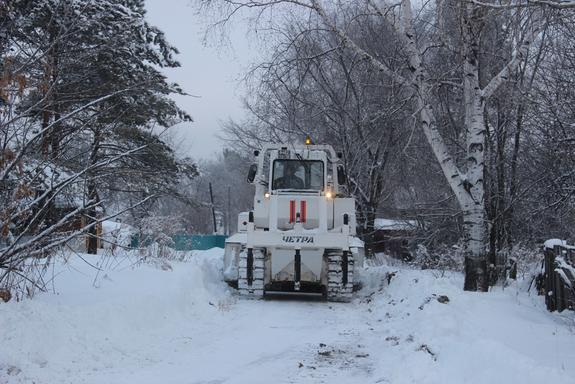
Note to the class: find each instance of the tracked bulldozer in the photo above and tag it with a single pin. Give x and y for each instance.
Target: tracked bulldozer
(300, 236)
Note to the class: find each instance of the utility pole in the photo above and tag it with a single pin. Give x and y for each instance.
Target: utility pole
(213, 210)
(228, 213)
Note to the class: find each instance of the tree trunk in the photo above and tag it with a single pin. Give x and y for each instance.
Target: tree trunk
(475, 257)
(366, 226)
(51, 139)
(92, 241)
(91, 214)
(45, 146)
(473, 200)
(370, 230)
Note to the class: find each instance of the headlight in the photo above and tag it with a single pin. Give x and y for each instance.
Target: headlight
(328, 194)
(267, 195)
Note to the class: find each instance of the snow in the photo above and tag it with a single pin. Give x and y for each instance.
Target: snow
(241, 238)
(394, 225)
(563, 268)
(176, 322)
(116, 234)
(356, 242)
(551, 243)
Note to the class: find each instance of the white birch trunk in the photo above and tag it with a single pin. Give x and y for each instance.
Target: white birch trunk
(467, 187)
(473, 203)
(423, 97)
(472, 200)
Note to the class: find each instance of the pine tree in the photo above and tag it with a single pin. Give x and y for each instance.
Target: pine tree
(86, 124)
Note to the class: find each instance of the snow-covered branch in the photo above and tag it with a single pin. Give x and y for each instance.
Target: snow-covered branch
(519, 55)
(350, 43)
(32, 140)
(557, 4)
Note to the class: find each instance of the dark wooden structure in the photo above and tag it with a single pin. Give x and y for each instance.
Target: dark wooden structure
(392, 237)
(559, 277)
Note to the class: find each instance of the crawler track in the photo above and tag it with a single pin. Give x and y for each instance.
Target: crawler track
(339, 276)
(251, 274)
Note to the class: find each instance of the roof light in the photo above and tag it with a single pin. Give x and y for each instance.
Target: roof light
(308, 140)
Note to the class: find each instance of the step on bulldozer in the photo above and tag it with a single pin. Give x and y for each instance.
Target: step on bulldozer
(300, 235)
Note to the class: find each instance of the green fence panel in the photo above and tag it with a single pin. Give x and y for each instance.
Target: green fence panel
(185, 242)
(138, 241)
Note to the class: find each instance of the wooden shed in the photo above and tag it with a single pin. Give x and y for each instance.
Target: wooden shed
(392, 237)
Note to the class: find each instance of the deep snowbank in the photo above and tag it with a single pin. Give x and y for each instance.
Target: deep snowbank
(504, 336)
(98, 320)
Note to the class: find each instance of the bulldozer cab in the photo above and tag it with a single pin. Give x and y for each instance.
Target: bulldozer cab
(309, 169)
(290, 174)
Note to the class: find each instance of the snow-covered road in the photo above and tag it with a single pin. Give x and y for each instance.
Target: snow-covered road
(182, 325)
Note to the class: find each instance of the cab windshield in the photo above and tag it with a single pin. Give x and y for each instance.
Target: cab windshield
(298, 174)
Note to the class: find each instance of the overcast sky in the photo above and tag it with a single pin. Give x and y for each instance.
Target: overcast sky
(211, 73)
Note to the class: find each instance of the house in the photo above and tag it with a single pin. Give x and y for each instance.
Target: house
(35, 189)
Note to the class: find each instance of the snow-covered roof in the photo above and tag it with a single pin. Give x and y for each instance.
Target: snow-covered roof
(394, 225)
(551, 243)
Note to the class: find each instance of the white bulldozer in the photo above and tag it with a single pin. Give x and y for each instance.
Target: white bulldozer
(300, 235)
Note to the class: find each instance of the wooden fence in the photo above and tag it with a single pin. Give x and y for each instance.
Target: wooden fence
(559, 277)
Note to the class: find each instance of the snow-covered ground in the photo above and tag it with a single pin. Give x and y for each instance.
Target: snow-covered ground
(179, 323)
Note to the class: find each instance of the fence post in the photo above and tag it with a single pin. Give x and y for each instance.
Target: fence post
(549, 292)
(557, 281)
(569, 292)
(558, 292)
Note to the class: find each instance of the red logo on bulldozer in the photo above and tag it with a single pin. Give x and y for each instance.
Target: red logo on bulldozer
(302, 211)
